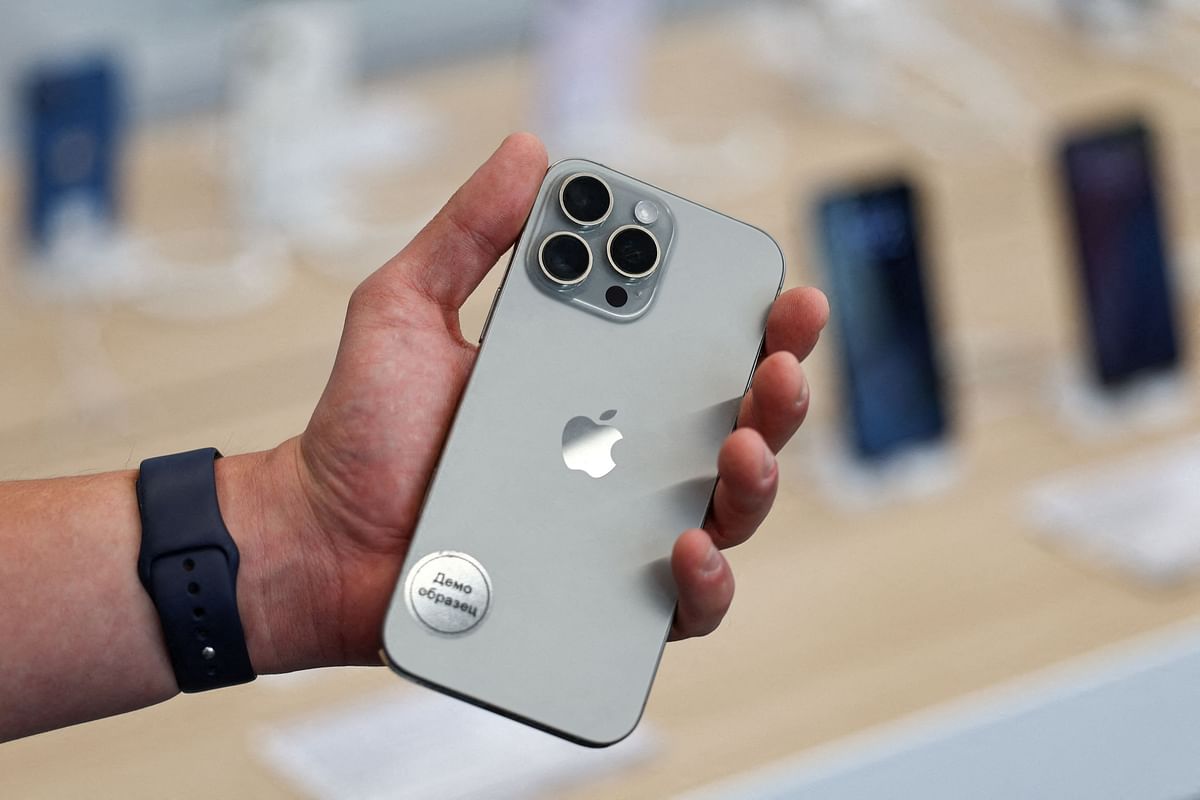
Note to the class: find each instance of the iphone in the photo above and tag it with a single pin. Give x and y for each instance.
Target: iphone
(72, 132)
(892, 380)
(611, 368)
(1110, 183)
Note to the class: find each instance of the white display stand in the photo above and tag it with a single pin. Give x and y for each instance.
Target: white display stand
(299, 133)
(211, 274)
(850, 55)
(589, 59)
(1149, 32)
(1123, 25)
(191, 275)
(415, 743)
(84, 268)
(1090, 411)
(85, 262)
(911, 474)
(591, 66)
(1137, 515)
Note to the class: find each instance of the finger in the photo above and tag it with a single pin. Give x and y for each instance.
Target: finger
(777, 401)
(749, 477)
(448, 258)
(795, 321)
(704, 582)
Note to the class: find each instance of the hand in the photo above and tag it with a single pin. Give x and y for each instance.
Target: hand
(367, 454)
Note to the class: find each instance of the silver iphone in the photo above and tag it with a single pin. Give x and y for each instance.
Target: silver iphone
(613, 361)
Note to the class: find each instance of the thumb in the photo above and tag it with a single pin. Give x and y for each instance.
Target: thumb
(451, 255)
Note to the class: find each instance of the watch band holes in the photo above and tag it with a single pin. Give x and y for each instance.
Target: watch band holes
(193, 588)
(188, 565)
(201, 634)
(211, 672)
(198, 612)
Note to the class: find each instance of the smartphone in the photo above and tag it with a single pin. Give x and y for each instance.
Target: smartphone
(894, 393)
(611, 368)
(71, 114)
(1110, 186)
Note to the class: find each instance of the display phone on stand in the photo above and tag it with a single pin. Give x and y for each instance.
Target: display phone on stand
(71, 117)
(611, 368)
(1110, 184)
(894, 394)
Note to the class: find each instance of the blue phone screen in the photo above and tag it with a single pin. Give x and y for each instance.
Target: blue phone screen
(1121, 253)
(891, 376)
(71, 117)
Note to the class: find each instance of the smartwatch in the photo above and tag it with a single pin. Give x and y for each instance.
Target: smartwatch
(188, 564)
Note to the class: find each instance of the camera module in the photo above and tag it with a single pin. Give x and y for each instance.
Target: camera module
(633, 251)
(565, 258)
(585, 199)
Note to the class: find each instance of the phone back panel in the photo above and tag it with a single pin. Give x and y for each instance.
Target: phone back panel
(581, 594)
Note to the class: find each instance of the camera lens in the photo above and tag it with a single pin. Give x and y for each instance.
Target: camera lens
(565, 258)
(633, 251)
(585, 199)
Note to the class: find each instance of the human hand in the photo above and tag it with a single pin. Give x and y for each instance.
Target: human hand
(364, 461)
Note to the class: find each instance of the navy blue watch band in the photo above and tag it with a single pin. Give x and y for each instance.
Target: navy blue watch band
(188, 563)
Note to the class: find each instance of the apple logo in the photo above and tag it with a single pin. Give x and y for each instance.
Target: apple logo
(587, 445)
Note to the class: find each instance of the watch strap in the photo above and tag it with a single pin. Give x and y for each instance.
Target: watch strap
(188, 564)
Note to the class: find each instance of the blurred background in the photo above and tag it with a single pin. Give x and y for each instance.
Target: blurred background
(979, 577)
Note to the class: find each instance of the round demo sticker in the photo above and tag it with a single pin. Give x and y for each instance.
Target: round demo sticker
(448, 591)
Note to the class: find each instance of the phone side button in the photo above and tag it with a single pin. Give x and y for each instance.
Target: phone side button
(488, 320)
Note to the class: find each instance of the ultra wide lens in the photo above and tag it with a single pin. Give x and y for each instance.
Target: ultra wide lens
(565, 258)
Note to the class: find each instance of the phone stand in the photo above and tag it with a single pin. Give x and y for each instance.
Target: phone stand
(83, 270)
(858, 485)
(1120, 26)
(854, 58)
(591, 66)
(85, 260)
(1135, 514)
(590, 58)
(211, 274)
(298, 131)
(86, 273)
(1092, 411)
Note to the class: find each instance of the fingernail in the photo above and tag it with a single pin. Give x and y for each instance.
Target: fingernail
(802, 397)
(768, 465)
(712, 562)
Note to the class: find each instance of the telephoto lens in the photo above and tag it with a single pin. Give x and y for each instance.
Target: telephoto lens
(633, 251)
(585, 199)
(565, 258)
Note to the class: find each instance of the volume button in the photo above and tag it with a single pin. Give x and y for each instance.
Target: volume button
(488, 320)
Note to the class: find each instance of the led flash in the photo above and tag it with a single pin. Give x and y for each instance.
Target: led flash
(645, 212)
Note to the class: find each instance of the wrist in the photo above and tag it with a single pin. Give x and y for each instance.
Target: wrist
(287, 579)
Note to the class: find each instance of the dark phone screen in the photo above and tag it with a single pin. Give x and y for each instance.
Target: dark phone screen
(1114, 209)
(873, 256)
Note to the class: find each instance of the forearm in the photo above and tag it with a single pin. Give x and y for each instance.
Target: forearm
(80, 636)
